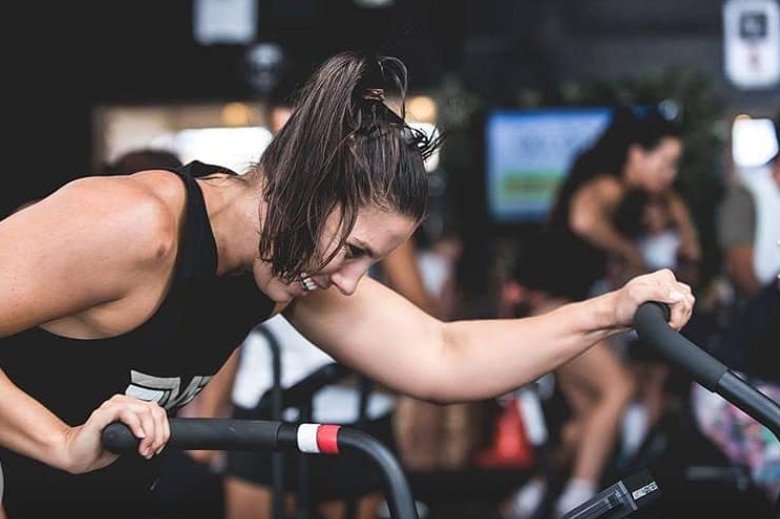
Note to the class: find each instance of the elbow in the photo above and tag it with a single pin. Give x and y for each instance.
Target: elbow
(440, 397)
(436, 384)
(582, 223)
(443, 386)
(442, 375)
(435, 390)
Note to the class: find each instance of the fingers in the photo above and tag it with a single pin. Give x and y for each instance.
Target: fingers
(662, 287)
(677, 295)
(147, 421)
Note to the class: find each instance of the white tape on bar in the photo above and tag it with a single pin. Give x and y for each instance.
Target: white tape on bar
(307, 438)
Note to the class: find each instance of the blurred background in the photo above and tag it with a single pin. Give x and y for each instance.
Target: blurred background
(519, 87)
(85, 80)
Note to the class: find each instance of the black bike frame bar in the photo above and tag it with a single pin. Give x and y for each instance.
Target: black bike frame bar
(213, 434)
(650, 323)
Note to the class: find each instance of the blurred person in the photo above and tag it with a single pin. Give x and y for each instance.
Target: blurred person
(748, 228)
(333, 480)
(122, 296)
(634, 158)
(658, 239)
(141, 159)
(749, 347)
(422, 427)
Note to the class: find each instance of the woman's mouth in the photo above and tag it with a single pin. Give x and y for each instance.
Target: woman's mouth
(307, 283)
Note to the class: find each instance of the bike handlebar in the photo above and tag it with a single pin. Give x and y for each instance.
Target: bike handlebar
(650, 322)
(214, 434)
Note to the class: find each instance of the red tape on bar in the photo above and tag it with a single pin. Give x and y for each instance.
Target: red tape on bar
(327, 439)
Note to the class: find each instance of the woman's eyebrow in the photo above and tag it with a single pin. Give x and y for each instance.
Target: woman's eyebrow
(367, 248)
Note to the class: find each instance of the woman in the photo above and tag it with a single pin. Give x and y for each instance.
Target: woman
(141, 286)
(596, 211)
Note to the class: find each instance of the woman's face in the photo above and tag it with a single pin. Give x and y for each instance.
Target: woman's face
(655, 170)
(376, 234)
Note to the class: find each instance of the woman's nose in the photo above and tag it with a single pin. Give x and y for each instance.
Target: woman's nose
(346, 279)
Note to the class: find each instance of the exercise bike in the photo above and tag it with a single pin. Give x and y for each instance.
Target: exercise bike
(635, 492)
(620, 500)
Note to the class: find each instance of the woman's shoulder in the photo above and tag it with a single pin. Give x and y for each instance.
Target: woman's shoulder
(606, 182)
(141, 210)
(605, 188)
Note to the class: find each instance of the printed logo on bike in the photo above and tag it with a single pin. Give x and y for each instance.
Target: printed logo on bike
(166, 391)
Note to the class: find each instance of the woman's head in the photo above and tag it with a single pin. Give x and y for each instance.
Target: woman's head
(343, 150)
(653, 155)
(643, 150)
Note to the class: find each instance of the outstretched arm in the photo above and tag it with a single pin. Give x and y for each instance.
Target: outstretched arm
(393, 342)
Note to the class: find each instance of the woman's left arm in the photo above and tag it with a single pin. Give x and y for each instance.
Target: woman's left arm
(393, 342)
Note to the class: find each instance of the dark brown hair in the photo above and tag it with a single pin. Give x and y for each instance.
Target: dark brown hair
(608, 155)
(141, 159)
(343, 148)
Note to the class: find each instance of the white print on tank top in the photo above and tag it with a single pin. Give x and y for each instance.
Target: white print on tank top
(166, 391)
(766, 198)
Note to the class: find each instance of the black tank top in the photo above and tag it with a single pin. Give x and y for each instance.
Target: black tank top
(563, 263)
(169, 358)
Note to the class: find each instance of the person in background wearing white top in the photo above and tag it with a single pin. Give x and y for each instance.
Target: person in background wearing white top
(749, 228)
(421, 427)
(248, 475)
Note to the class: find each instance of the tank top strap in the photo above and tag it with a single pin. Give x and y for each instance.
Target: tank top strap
(198, 255)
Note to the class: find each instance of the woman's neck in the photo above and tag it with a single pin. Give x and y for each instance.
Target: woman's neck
(233, 206)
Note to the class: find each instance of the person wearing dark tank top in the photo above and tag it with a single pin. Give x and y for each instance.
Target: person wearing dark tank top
(121, 296)
(595, 219)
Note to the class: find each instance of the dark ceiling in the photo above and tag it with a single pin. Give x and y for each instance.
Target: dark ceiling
(70, 55)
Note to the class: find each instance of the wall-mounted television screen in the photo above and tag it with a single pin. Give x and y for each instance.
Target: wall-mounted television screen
(528, 154)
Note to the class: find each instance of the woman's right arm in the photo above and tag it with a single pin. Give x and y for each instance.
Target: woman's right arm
(72, 251)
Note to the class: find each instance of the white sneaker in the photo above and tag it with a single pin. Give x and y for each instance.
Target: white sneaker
(526, 501)
(575, 493)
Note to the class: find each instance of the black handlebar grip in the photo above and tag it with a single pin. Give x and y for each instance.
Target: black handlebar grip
(118, 438)
(651, 323)
(200, 433)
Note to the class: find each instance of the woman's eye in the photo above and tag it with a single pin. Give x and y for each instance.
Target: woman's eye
(353, 252)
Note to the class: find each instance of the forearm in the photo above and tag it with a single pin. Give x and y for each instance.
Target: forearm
(521, 350)
(28, 428)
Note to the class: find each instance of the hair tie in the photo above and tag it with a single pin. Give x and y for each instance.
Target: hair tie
(374, 94)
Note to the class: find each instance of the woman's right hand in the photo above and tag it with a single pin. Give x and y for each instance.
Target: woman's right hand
(661, 286)
(147, 421)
